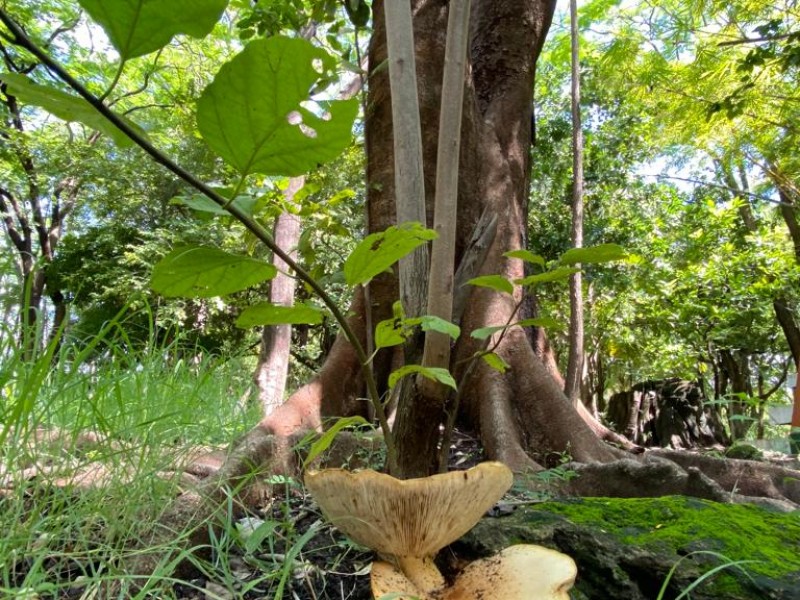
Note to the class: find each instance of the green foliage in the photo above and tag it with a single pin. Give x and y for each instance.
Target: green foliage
(198, 272)
(62, 105)
(433, 373)
(265, 313)
(379, 251)
(254, 114)
(138, 27)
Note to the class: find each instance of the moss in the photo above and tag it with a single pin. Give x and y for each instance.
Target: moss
(685, 525)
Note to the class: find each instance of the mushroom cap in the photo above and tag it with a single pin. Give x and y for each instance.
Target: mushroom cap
(516, 573)
(412, 517)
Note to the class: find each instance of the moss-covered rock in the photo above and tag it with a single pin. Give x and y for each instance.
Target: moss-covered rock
(626, 548)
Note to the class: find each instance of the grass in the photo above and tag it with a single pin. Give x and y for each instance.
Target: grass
(133, 411)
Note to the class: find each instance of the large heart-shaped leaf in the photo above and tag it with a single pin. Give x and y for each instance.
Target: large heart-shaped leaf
(251, 114)
(138, 27)
(62, 105)
(198, 272)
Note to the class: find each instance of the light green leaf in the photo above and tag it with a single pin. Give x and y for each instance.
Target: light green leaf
(326, 439)
(389, 333)
(265, 313)
(63, 105)
(202, 203)
(381, 250)
(198, 272)
(527, 256)
(483, 333)
(495, 362)
(555, 275)
(435, 373)
(251, 114)
(495, 282)
(592, 254)
(432, 323)
(138, 27)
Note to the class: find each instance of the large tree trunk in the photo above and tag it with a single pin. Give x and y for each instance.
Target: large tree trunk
(522, 415)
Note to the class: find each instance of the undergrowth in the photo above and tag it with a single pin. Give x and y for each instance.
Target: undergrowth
(105, 410)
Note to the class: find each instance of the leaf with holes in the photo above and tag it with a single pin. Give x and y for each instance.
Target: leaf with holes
(257, 114)
(138, 27)
(381, 250)
(198, 272)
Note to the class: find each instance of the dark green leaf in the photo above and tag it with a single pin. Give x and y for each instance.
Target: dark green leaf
(198, 272)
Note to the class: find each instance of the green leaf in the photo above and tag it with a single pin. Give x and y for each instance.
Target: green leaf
(495, 362)
(483, 333)
(63, 105)
(527, 256)
(198, 272)
(432, 323)
(555, 275)
(251, 114)
(381, 250)
(390, 333)
(540, 322)
(593, 254)
(265, 313)
(138, 27)
(495, 282)
(435, 373)
(202, 203)
(326, 439)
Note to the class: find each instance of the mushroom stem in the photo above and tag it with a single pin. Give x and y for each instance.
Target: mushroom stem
(421, 572)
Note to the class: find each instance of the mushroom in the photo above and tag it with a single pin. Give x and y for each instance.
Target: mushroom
(408, 522)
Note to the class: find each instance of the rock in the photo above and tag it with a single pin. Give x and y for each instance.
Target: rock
(626, 548)
(744, 452)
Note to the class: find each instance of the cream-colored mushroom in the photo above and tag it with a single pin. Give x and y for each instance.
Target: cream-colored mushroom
(522, 572)
(408, 521)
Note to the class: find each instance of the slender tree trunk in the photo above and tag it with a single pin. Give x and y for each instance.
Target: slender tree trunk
(276, 340)
(572, 386)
